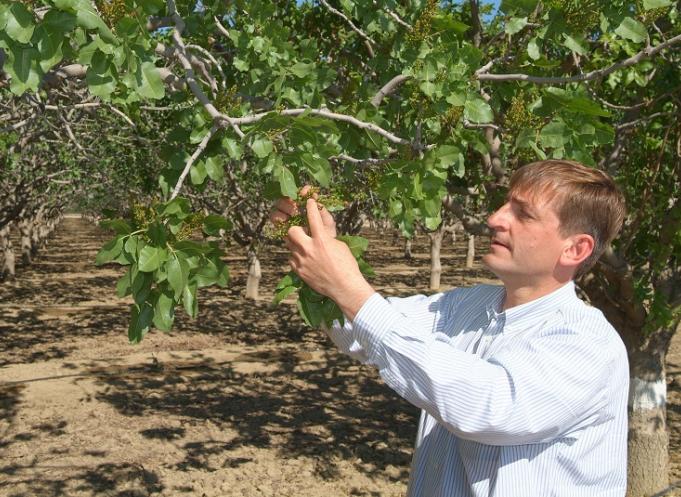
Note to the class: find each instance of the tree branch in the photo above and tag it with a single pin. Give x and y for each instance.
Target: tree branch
(202, 146)
(388, 89)
(646, 53)
(369, 42)
(191, 79)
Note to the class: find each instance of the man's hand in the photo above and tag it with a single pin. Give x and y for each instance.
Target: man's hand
(324, 263)
(285, 208)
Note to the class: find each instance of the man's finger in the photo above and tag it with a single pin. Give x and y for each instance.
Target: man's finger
(314, 219)
(287, 206)
(278, 217)
(296, 236)
(304, 191)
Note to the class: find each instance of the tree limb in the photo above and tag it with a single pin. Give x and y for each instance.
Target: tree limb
(202, 146)
(646, 53)
(388, 89)
(369, 42)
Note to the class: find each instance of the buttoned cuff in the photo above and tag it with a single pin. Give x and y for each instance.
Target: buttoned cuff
(374, 320)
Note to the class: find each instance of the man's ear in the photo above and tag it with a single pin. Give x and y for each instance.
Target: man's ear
(578, 248)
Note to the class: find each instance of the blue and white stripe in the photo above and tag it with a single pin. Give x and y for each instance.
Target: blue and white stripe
(527, 402)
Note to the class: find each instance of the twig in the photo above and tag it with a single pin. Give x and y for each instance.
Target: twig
(469, 125)
(646, 53)
(116, 111)
(202, 146)
(360, 162)
(221, 28)
(642, 120)
(362, 34)
(210, 57)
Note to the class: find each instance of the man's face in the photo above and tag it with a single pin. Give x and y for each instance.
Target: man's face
(526, 242)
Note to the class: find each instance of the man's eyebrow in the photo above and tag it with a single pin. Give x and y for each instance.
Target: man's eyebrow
(526, 206)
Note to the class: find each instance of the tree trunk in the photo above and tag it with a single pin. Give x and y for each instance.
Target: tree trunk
(407, 248)
(648, 443)
(254, 275)
(25, 232)
(470, 253)
(435, 262)
(7, 271)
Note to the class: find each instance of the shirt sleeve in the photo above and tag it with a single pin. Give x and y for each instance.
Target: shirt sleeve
(535, 390)
(426, 310)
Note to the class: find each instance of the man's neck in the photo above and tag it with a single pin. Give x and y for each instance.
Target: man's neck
(522, 294)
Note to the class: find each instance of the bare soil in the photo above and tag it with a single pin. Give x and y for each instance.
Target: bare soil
(244, 401)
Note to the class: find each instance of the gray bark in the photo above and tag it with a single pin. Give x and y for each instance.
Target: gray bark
(435, 260)
(7, 271)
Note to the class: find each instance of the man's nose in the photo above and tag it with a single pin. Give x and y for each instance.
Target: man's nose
(498, 220)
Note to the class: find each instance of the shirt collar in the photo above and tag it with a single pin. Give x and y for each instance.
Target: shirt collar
(522, 316)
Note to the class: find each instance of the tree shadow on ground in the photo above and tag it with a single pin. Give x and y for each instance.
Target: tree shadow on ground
(111, 480)
(332, 409)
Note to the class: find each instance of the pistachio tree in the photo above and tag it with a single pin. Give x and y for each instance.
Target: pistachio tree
(442, 100)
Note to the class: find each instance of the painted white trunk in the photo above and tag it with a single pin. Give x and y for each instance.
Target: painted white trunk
(254, 276)
(648, 443)
(470, 253)
(435, 262)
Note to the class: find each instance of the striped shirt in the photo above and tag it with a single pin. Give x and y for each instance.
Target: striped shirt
(527, 402)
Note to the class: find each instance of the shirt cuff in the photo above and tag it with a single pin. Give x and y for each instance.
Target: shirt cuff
(373, 321)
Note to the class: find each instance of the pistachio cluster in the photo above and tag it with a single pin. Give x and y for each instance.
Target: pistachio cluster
(518, 115)
(190, 224)
(111, 11)
(451, 118)
(424, 24)
(331, 201)
(579, 15)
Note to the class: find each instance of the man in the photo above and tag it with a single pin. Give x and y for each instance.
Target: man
(523, 387)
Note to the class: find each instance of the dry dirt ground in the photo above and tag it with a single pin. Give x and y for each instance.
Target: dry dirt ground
(243, 401)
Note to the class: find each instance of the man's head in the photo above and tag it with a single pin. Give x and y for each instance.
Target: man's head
(558, 219)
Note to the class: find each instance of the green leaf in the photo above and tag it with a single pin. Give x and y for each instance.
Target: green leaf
(19, 25)
(287, 182)
(157, 233)
(24, 69)
(318, 167)
(124, 284)
(164, 312)
(515, 24)
(109, 251)
(189, 300)
(212, 225)
(140, 319)
(86, 16)
(655, 4)
(553, 135)
(575, 103)
(633, 30)
(233, 148)
(357, 244)
(477, 110)
(312, 312)
(214, 168)
(178, 275)
(178, 207)
(241, 65)
(533, 49)
(151, 258)
(120, 226)
(283, 293)
(149, 82)
(198, 173)
(100, 76)
(301, 69)
(576, 45)
(262, 147)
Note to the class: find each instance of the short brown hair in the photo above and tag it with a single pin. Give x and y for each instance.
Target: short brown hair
(585, 200)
